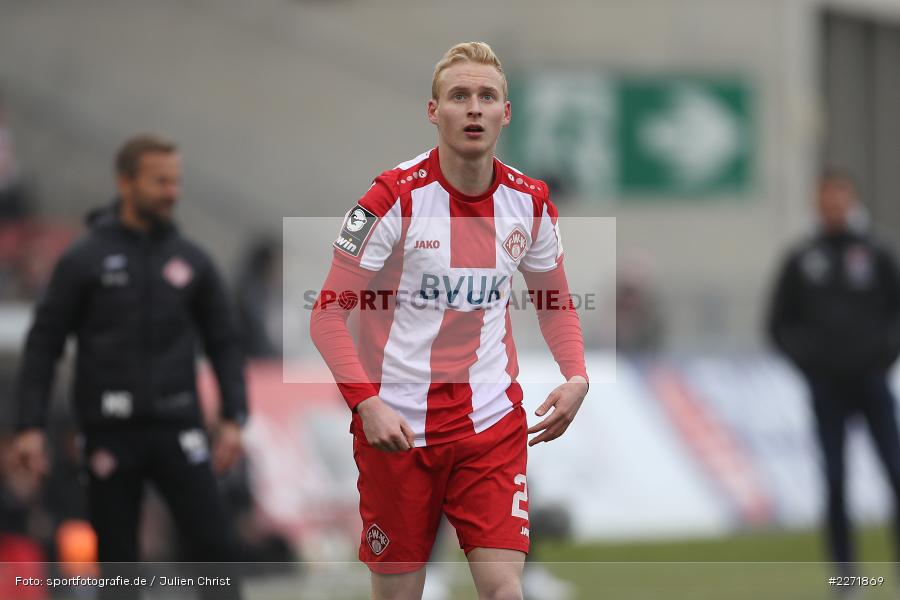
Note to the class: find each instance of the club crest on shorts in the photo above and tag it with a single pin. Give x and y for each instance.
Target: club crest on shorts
(103, 463)
(178, 272)
(377, 539)
(516, 244)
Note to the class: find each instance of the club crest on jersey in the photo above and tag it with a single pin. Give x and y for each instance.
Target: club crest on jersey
(178, 272)
(357, 226)
(377, 539)
(859, 266)
(516, 244)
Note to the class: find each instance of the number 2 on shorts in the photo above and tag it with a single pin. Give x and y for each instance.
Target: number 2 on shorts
(520, 497)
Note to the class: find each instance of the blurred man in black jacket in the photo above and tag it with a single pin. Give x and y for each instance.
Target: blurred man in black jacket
(135, 293)
(836, 315)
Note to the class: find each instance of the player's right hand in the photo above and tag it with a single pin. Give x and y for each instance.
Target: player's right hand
(384, 428)
(29, 452)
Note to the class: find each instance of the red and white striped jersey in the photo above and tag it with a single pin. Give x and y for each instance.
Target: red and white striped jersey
(431, 271)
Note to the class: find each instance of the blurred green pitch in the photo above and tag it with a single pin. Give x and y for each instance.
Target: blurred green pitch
(760, 566)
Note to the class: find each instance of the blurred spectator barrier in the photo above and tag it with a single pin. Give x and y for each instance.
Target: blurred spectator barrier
(689, 447)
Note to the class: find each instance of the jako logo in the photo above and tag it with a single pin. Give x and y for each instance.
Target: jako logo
(428, 244)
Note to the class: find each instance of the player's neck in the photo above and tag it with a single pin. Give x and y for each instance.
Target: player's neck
(468, 176)
(130, 217)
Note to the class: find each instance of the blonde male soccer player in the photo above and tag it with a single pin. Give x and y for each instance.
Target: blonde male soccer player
(427, 256)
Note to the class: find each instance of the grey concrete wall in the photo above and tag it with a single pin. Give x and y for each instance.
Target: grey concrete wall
(290, 108)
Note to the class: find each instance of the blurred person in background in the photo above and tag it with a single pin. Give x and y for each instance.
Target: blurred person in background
(836, 315)
(14, 210)
(259, 294)
(13, 200)
(640, 327)
(134, 291)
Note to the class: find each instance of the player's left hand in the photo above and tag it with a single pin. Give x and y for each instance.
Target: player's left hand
(565, 401)
(227, 447)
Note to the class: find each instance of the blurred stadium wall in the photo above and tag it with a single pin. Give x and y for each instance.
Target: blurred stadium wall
(288, 108)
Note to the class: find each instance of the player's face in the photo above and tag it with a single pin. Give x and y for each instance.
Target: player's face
(470, 109)
(155, 188)
(836, 200)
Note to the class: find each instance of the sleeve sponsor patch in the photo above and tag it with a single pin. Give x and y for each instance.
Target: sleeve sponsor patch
(357, 226)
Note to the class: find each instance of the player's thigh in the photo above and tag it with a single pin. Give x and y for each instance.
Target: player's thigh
(183, 475)
(398, 586)
(115, 489)
(879, 408)
(400, 497)
(497, 573)
(487, 494)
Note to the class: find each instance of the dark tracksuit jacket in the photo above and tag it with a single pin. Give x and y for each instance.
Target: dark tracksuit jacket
(836, 307)
(138, 303)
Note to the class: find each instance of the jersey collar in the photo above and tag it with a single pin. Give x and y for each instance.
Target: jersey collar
(454, 193)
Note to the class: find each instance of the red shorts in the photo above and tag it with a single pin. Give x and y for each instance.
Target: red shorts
(478, 482)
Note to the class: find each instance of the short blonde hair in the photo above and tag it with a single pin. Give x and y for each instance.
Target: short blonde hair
(476, 52)
(128, 158)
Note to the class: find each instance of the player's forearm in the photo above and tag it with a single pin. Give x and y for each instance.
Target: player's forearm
(329, 333)
(223, 348)
(229, 369)
(31, 406)
(558, 320)
(564, 337)
(43, 349)
(580, 381)
(331, 338)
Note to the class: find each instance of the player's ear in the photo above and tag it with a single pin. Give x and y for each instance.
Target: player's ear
(507, 113)
(432, 111)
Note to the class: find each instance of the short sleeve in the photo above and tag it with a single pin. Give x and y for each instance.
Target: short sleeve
(546, 250)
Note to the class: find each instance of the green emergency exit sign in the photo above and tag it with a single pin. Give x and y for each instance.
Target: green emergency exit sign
(596, 136)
